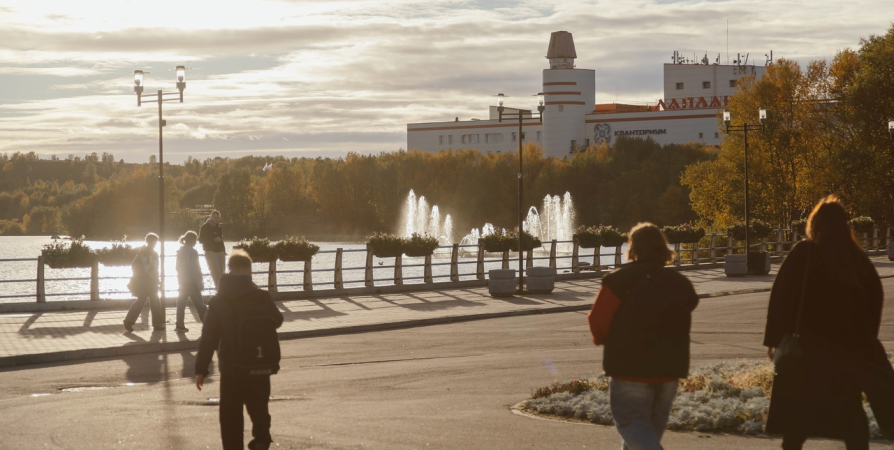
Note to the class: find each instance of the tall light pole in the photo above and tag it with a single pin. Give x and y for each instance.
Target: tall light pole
(522, 115)
(745, 128)
(891, 129)
(159, 98)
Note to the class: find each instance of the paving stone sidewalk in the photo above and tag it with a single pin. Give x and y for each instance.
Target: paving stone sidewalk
(41, 337)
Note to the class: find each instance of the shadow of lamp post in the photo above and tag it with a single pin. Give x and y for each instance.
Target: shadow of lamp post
(522, 115)
(159, 98)
(745, 127)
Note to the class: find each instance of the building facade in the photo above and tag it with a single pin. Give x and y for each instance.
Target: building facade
(693, 95)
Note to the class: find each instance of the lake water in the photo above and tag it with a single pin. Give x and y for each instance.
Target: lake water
(18, 278)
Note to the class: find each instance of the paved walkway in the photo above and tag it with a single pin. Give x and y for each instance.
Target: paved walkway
(33, 338)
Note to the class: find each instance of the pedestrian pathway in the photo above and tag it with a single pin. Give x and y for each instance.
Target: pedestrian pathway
(34, 338)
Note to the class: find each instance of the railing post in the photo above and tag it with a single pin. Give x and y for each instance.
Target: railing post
(41, 288)
(597, 261)
(875, 237)
(529, 262)
(506, 260)
(94, 280)
(678, 257)
(271, 276)
(308, 275)
(618, 256)
(454, 262)
(763, 244)
(339, 284)
(398, 270)
(779, 238)
(575, 264)
(713, 249)
(479, 267)
(368, 277)
(730, 250)
(695, 253)
(427, 270)
(552, 254)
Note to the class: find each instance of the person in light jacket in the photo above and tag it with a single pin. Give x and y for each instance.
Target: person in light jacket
(144, 286)
(189, 274)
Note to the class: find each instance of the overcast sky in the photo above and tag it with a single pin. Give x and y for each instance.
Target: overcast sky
(326, 77)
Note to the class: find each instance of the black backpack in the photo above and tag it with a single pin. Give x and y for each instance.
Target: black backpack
(256, 339)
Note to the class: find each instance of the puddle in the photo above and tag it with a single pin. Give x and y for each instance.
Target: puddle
(39, 395)
(129, 384)
(83, 388)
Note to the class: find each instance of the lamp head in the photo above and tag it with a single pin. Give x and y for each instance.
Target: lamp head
(727, 117)
(500, 98)
(181, 77)
(138, 81)
(762, 114)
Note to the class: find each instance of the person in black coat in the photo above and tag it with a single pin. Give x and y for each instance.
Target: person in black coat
(219, 331)
(840, 318)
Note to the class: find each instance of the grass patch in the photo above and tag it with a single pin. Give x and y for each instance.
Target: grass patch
(731, 397)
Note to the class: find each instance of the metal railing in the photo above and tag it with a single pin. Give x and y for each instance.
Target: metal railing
(709, 251)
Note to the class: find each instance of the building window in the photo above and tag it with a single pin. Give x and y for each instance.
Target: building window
(573, 146)
(716, 135)
(561, 108)
(538, 135)
(493, 138)
(441, 140)
(449, 139)
(706, 85)
(679, 86)
(732, 83)
(469, 139)
(701, 135)
(514, 137)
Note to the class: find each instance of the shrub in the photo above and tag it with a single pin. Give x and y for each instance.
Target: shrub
(498, 241)
(384, 245)
(588, 237)
(757, 229)
(685, 233)
(862, 224)
(529, 242)
(259, 249)
(63, 255)
(295, 249)
(119, 254)
(420, 245)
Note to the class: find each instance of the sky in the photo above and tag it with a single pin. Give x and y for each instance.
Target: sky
(328, 77)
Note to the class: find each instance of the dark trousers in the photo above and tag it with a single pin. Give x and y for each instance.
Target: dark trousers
(857, 437)
(155, 307)
(252, 391)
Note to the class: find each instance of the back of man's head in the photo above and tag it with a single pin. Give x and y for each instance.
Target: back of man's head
(239, 262)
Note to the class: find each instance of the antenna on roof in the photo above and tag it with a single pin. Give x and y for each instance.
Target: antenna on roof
(717, 61)
(705, 59)
(769, 58)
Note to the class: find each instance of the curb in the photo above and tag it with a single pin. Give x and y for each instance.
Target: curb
(8, 362)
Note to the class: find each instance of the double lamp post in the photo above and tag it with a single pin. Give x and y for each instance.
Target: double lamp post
(521, 115)
(745, 127)
(159, 98)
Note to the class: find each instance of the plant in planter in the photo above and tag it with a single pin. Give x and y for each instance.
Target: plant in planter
(588, 237)
(259, 249)
(498, 242)
(862, 224)
(64, 255)
(610, 236)
(757, 230)
(384, 245)
(529, 242)
(685, 233)
(295, 249)
(119, 254)
(420, 245)
(800, 226)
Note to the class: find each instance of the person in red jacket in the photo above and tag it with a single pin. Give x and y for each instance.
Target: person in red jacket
(642, 316)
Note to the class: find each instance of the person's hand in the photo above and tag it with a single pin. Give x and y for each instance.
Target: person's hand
(200, 380)
(770, 352)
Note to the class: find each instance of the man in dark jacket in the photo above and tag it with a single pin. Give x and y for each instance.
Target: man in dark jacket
(642, 315)
(237, 387)
(211, 238)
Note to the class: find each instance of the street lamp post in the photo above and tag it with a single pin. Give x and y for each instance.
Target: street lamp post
(522, 115)
(745, 128)
(159, 98)
(891, 128)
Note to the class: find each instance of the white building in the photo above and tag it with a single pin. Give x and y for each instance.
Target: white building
(693, 93)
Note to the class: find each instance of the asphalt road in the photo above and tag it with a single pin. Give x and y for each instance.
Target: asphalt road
(436, 387)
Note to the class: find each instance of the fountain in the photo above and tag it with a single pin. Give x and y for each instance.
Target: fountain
(554, 221)
(421, 219)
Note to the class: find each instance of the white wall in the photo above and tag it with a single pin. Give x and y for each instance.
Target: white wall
(665, 127)
(569, 95)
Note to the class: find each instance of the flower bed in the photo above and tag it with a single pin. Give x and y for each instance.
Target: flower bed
(295, 249)
(259, 249)
(862, 224)
(384, 245)
(685, 233)
(420, 245)
(498, 241)
(65, 255)
(529, 242)
(588, 237)
(119, 254)
(800, 225)
(610, 235)
(758, 230)
(728, 396)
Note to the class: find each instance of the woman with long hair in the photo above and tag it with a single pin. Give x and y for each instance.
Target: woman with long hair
(144, 286)
(828, 295)
(189, 275)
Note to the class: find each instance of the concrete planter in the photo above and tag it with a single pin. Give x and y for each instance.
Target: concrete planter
(541, 280)
(501, 282)
(735, 265)
(759, 263)
(891, 251)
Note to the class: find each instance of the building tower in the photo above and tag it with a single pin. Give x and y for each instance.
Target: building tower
(569, 95)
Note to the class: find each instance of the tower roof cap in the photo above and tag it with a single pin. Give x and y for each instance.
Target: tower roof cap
(561, 45)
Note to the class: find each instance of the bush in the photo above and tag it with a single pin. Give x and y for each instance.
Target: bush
(588, 237)
(862, 224)
(529, 242)
(259, 249)
(685, 233)
(384, 245)
(757, 229)
(420, 245)
(64, 255)
(499, 241)
(295, 249)
(119, 254)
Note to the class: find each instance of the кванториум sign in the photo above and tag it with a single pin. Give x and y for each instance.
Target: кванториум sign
(640, 132)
